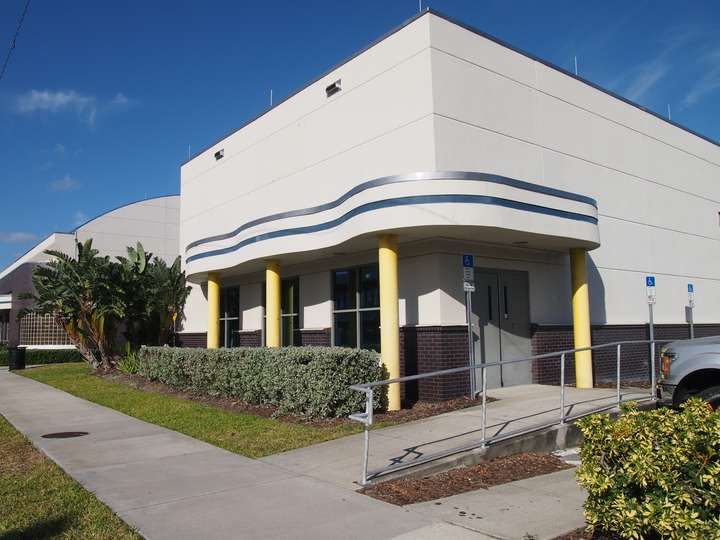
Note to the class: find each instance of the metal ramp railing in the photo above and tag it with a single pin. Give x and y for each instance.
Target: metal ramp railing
(564, 409)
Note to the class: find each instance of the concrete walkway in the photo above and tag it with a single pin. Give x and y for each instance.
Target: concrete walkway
(541, 508)
(168, 485)
(518, 407)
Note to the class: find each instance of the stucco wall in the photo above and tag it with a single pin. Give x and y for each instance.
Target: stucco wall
(311, 148)
(438, 97)
(153, 222)
(656, 185)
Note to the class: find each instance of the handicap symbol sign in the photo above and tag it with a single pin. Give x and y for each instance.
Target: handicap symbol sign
(468, 261)
(691, 288)
(650, 281)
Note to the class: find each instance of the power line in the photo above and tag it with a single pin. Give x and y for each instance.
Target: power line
(14, 39)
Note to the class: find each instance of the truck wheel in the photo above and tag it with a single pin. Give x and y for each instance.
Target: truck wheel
(711, 395)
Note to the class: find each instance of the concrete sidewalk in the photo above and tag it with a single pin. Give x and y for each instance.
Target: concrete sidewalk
(168, 485)
(518, 407)
(542, 507)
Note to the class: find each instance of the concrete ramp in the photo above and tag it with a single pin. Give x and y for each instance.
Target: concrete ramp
(454, 437)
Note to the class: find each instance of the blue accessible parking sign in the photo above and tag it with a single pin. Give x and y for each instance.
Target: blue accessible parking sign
(468, 261)
(650, 281)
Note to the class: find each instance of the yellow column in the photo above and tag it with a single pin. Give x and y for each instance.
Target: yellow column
(272, 304)
(389, 318)
(213, 298)
(581, 317)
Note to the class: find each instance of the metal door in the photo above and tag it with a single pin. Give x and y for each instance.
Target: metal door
(515, 326)
(486, 325)
(501, 325)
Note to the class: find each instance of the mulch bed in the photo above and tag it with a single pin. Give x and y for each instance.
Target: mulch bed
(415, 411)
(489, 473)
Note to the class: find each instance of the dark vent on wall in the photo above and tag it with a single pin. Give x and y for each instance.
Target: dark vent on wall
(220, 154)
(334, 88)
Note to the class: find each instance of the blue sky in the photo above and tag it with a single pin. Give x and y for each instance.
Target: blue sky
(102, 99)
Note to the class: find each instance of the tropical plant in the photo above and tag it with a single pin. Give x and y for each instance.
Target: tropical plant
(129, 364)
(84, 297)
(155, 297)
(92, 298)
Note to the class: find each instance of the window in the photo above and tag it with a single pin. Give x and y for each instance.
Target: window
(4, 325)
(229, 316)
(356, 307)
(289, 311)
(38, 329)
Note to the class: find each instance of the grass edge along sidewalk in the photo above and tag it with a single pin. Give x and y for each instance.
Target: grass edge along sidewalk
(38, 500)
(243, 433)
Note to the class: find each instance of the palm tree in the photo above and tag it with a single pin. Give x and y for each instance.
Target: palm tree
(84, 296)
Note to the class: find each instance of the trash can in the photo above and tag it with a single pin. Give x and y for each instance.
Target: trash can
(16, 358)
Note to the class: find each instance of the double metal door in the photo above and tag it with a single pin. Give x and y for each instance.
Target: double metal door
(501, 325)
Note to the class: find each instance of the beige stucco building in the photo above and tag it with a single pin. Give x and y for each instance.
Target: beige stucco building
(437, 141)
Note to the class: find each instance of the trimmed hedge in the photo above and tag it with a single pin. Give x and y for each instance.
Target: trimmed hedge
(310, 381)
(44, 356)
(653, 474)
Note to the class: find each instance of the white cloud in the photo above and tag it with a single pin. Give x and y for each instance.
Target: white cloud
(120, 99)
(60, 149)
(48, 101)
(16, 237)
(66, 183)
(85, 106)
(708, 83)
(80, 218)
(648, 76)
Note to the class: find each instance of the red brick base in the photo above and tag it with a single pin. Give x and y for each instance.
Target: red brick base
(432, 348)
(635, 359)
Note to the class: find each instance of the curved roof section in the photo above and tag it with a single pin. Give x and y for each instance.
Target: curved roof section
(71, 231)
(59, 239)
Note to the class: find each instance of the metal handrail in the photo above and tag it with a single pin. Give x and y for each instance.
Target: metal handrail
(366, 417)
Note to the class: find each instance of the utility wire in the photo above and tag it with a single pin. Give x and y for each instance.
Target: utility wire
(14, 39)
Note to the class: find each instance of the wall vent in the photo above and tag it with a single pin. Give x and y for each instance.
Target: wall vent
(334, 88)
(220, 154)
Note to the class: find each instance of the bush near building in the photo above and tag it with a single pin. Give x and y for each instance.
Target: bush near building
(309, 381)
(44, 356)
(653, 474)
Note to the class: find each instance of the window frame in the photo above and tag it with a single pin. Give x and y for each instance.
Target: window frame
(357, 309)
(224, 320)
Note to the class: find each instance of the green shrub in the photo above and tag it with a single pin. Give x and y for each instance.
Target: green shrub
(129, 364)
(44, 356)
(310, 381)
(653, 474)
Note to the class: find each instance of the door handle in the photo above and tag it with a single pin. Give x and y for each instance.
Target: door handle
(505, 302)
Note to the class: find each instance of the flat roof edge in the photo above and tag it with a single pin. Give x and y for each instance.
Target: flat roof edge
(572, 75)
(476, 31)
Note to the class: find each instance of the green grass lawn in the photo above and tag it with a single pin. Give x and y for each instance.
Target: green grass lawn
(38, 500)
(243, 433)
